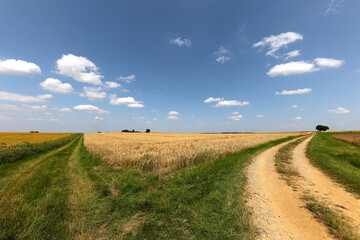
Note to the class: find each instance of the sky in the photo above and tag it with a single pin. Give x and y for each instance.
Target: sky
(179, 66)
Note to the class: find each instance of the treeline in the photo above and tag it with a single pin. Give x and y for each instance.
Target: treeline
(16, 152)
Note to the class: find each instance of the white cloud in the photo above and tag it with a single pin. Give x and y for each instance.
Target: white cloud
(236, 117)
(138, 118)
(297, 118)
(221, 51)
(211, 99)
(18, 67)
(148, 122)
(229, 103)
(294, 106)
(235, 113)
(98, 118)
(79, 68)
(292, 92)
(25, 107)
(23, 98)
(127, 79)
(222, 59)
(94, 93)
(155, 119)
(176, 118)
(173, 113)
(55, 85)
(181, 42)
(260, 115)
(5, 118)
(48, 114)
(339, 110)
(34, 119)
(292, 68)
(65, 110)
(357, 70)
(276, 42)
(333, 7)
(90, 109)
(54, 120)
(328, 62)
(128, 101)
(292, 54)
(112, 84)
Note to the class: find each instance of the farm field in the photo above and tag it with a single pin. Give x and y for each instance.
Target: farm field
(168, 151)
(65, 192)
(11, 138)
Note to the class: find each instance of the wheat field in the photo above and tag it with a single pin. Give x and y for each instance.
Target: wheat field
(13, 138)
(169, 151)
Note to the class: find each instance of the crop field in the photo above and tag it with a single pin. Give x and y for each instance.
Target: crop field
(350, 138)
(168, 151)
(10, 138)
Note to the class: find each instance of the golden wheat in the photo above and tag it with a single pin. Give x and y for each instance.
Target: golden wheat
(10, 138)
(168, 151)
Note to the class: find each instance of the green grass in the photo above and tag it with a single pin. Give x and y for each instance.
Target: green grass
(283, 160)
(338, 159)
(69, 194)
(337, 225)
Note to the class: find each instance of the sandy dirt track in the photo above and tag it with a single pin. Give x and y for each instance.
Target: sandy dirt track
(278, 211)
(322, 187)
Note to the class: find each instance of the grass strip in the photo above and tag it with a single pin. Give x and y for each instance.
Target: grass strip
(283, 160)
(338, 159)
(204, 202)
(337, 225)
(36, 206)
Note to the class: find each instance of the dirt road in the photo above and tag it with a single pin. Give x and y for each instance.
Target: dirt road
(278, 210)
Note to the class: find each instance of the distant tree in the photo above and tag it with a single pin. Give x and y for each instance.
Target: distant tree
(99, 131)
(125, 130)
(133, 130)
(36, 132)
(147, 130)
(321, 128)
(31, 131)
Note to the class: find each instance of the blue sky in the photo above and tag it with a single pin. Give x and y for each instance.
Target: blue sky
(179, 66)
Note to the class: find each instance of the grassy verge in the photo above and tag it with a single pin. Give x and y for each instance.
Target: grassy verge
(283, 161)
(336, 223)
(338, 159)
(204, 202)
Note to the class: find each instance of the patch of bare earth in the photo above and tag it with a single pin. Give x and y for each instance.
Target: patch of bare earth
(315, 183)
(278, 211)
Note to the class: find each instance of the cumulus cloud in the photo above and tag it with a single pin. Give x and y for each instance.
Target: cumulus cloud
(53, 119)
(292, 68)
(260, 115)
(294, 106)
(24, 107)
(328, 62)
(236, 117)
(112, 84)
(176, 118)
(211, 99)
(90, 109)
(127, 79)
(222, 59)
(181, 42)
(98, 118)
(234, 113)
(128, 101)
(65, 110)
(339, 110)
(292, 54)
(220, 102)
(275, 42)
(300, 67)
(222, 55)
(18, 67)
(7, 96)
(79, 68)
(94, 93)
(297, 118)
(173, 113)
(55, 85)
(293, 92)
(138, 118)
